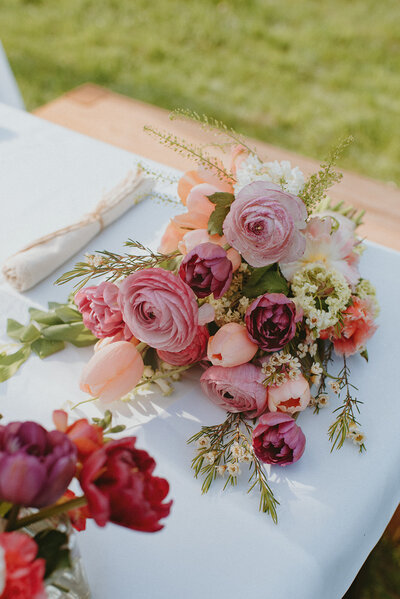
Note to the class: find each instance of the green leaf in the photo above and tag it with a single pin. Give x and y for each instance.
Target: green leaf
(264, 280)
(222, 203)
(53, 548)
(9, 364)
(364, 354)
(46, 347)
(74, 332)
(68, 314)
(27, 334)
(171, 263)
(42, 317)
(54, 305)
(14, 329)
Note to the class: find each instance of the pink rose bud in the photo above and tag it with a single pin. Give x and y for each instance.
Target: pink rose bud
(278, 440)
(292, 396)
(265, 224)
(236, 389)
(231, 346)
(113, 371)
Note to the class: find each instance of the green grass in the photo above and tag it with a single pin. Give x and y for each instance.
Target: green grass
(296, 73)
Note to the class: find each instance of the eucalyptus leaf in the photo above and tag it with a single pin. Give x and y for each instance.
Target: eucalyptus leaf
(45, 318)
(46, 347)
(10, 363)
(266, 281)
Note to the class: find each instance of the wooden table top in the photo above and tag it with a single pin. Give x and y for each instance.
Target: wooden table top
(119, 120)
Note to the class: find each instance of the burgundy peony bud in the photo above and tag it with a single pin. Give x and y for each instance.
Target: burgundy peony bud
(271, 321)
(118, 483)
(278, 440)
(207, 269)
(36, 466)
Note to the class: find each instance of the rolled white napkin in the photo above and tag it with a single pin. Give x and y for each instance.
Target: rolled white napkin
(41, 257)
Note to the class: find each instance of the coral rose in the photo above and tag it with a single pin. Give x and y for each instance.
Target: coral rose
(159, 308)
(23, 573)
(195, 352)
(357, 326)
(264, 224)
(271, 321)
(231, 346)
(100, 310)
(207, 269)
(292, 396)
(118, 483)
(278, 440)
(236, 389)
(112, 371)
(36, 466)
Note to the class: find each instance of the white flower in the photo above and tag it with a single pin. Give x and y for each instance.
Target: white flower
(203, 442)
(233, 468)
(322, 400)
(316, 369)
(335, 386)
(281, 173)
(312, 349)
(148, 372)
(236, 450)
(359, 438)
(210, 457)
(246, 457)
(221, 469)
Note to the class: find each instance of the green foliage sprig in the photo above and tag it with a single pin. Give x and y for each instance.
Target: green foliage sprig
(316, 186)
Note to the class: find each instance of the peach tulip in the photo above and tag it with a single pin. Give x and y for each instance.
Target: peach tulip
(231, 346)
(199, 208)
(292, 396)
(186, 182)
(112, 371)
(171, 238)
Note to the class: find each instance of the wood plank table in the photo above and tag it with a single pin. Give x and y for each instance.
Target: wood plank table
(118, 120)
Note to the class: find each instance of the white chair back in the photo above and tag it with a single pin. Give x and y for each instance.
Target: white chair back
(9, 92)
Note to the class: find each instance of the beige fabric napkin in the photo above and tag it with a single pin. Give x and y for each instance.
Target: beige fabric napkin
(41, 257)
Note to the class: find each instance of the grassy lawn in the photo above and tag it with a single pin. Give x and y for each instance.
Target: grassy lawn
(297, 73)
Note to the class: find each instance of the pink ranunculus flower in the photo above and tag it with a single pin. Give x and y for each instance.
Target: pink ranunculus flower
(271, 321)
(357, 326)
(195, 352)
(277, 439)
(332, 248)
(237, 389)
(24, 572)
(292, 396)
(159, 308)
(99, 308)
(265, 224)
(231, 346)
(113, 371)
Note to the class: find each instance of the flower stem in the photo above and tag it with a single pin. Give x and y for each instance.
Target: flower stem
(12, 518)
(48, 512)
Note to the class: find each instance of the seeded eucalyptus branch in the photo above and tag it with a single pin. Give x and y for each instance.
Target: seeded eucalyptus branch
(221, 448)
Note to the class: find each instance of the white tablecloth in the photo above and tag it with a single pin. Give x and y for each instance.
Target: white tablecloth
(334, 506)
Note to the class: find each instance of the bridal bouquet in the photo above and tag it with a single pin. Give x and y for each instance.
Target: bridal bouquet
(257, 282)
(36, 468)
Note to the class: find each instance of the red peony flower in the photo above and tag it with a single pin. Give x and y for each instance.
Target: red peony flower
(357, 327)
(118, 483)
(23, 573)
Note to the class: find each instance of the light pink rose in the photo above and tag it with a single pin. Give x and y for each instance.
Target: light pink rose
(100, 311)
(292, 396)
(265, 224)
(231, 346)
(112, 371)
(236, 389)
(159, 308)
(195, 352)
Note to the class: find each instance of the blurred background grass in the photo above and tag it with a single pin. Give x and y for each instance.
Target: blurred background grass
(296, 73)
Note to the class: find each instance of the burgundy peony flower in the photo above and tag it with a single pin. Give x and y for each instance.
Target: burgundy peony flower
(207, 269)
(271, 321)
(264, 224)
(23, 573)
(36, 466)
(236, 389)
(118, 483)
(159, 308)
(195, 352)
(278, 440)
(100, 310)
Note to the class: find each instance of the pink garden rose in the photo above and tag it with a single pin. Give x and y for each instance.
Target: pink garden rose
(194, 352)
(207, 269)
(236, 389)
(100, 310)
(265, 224)
(271, 321)
(231, 346)
(278, 440)
(159, 308)
(292, 396)
(351, 335)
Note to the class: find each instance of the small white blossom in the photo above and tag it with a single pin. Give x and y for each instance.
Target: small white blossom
(148, 372)
(316, 368)
(322, 400)
(236, 450)
(210, 457)
(359, 438)
(233, 468)
(203, 442)
(221, 469)
(335, 386)
(312, 349)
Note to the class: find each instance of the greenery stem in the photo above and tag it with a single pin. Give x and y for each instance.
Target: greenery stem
(49, 512)
(12, 518)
